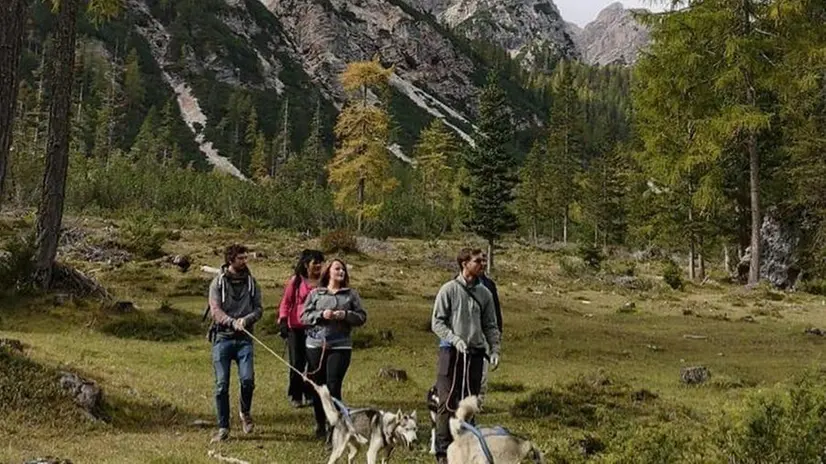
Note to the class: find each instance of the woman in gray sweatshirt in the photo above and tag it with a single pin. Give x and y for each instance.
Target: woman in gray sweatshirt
(330, 313)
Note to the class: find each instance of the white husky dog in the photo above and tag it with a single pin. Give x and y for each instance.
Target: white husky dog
(504, 447)
(368, 427)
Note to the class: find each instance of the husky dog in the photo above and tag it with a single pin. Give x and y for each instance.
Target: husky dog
(376, 429)
(504, 447)
(433, 406)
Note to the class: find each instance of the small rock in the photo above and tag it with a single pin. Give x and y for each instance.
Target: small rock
(399, 375)
(748, 318)
(48, 460)
(182, 261)
(643, 395)
(124, 306)
(85, 393)
(815, 331)
(688, 312)
(12, 345)
(694, 375)
(201, 423)
(61, 299)
(628, 308)
(653, 347)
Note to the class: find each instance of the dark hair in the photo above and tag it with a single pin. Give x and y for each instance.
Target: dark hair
(232, 252)
(325, 274)
(306, 257)
(465, 254)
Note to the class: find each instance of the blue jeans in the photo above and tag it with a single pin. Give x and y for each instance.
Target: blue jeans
(223, 353)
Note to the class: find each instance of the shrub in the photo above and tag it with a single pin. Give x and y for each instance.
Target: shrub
(573, 268)
(673, 275)
(141, 238)
(339, 241)
(16, 265)
(590, 255)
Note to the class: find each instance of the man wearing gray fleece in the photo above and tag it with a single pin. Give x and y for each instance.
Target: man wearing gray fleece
(464, 319)
(235, 306)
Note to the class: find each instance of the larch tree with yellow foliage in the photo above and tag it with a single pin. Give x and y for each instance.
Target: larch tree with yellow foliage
(360, 169)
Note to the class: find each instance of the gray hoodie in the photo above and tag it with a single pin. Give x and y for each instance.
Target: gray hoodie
(335, 333)
(234, 297)
(458, 315)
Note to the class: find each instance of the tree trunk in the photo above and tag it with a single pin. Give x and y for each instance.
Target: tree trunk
(490, 256)
(50, 210)
(726, 260)
(565, 226)
(360, 215)
(12, 22)
(691, 246)
(691, 252)
(756, 220)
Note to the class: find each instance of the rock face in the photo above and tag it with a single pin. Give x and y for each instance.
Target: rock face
(85, 393)
(524, 28)
(778, 258)
(614, 37)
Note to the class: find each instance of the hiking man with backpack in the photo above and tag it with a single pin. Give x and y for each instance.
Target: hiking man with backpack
(235, 306)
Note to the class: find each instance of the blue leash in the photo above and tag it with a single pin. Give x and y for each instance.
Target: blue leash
(485, 449)
(345, 411)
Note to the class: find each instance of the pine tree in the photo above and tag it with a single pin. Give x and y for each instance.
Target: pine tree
(532, 192)
(258, 163)
(565, 146)
(434, 156)
(490, 167)
(132, 81)
(146, 145)
(603, 197)
(12, 27)
(360, 169)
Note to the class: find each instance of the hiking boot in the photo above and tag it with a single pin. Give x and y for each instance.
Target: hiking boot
(441, 459)
(295, 403)
(320, 433)
(306, 402)
(221, 435)
(246, 423)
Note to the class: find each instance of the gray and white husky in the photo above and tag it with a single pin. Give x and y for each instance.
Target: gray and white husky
(505, 448)
(377, 430)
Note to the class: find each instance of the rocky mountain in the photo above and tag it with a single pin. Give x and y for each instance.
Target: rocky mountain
(614, 37)
(523, 28)
(293, 51)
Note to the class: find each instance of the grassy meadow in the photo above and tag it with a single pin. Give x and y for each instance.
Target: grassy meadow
(583, 374)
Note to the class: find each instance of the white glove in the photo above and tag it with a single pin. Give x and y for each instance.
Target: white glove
(494, 361)
(460, 345)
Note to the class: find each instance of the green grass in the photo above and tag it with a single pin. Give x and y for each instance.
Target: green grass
(575, 374)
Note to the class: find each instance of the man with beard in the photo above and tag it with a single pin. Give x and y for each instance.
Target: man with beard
(235, 306)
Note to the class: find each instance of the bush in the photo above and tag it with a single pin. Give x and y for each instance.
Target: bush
(16, 265)
(339, 241)
(573, 268)
(673, 275)
(166, 324)
(141, 238)
(590, 255)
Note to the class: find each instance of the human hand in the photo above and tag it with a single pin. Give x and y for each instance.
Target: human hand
(340, 314)
(283, 328)
(327, 314)
(494, 361)
(461, 346)
(239, 324)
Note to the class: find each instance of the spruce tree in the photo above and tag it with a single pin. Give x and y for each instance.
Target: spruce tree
(490, 167)
(532, 192)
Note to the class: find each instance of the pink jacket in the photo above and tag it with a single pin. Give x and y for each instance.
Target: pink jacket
(292, 303)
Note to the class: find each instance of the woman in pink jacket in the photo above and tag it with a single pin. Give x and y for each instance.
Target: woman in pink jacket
(305, 279)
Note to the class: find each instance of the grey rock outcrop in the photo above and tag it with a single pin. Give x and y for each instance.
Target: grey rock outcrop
(615, 37)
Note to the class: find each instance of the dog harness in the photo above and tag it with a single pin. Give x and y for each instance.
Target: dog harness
(495, 431)
(345, 411)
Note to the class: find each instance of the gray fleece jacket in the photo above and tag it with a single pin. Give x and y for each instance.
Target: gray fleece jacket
(458, 315)
(335, 333)
(234, 297)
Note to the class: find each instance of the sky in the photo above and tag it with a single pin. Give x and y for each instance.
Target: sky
(581, 12)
